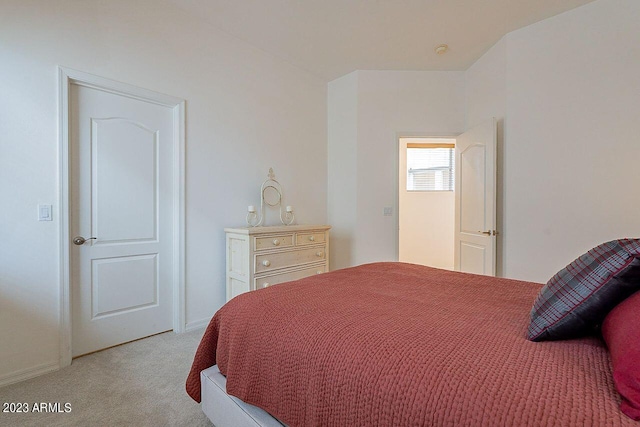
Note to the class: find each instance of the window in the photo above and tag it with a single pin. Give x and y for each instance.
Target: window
(430, 167)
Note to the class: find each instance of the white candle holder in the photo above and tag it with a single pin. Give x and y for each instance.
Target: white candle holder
(289, 217)
(252, 216)
(270, 195)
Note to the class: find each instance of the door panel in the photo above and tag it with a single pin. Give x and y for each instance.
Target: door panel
(475, 228)
(474, 257)
(124, 180)
(121, 180)
(123, 284)
(472, 186)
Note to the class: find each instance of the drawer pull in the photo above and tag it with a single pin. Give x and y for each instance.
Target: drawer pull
(319, 272)
(266, 263)
(319, 253)
(266, 284)
(312, 238)
(276, 242)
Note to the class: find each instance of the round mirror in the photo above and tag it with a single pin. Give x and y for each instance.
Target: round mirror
(271, 195)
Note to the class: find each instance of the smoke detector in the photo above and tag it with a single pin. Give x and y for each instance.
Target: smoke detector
(442, 49)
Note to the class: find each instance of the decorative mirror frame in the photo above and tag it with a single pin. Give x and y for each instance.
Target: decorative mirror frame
(254, 219)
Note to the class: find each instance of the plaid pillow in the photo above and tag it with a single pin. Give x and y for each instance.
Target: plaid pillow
(576, 300)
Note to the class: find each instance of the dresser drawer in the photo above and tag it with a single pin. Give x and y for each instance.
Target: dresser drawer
(274, 279)
(274, 254)
(309, 238)
(273, 242)
(277, 260)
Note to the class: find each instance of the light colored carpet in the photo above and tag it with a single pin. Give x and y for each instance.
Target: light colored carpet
(136, 384)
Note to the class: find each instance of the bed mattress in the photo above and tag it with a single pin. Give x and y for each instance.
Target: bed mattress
(403, 345)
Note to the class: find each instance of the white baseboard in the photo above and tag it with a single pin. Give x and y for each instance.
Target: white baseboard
(198, 324)
(28, 373)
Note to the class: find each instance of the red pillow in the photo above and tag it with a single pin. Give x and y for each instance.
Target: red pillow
(621, 331)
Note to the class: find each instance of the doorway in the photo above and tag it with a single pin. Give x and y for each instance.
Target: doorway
(430, 229)
(426, 203)
(122, 213)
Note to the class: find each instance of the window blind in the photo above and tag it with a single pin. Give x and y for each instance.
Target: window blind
(430, 167)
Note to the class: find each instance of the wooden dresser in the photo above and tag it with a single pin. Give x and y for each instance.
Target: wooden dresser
(258, 257)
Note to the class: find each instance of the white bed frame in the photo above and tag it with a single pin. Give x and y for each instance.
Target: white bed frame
(228, 411)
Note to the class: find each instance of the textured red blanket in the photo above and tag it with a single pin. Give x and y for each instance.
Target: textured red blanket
(392, 344)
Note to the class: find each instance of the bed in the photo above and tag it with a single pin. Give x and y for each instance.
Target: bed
(393, 344)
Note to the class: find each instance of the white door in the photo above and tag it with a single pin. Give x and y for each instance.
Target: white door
(475, 223)
(121, 203)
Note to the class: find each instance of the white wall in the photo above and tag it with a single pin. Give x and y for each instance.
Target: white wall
(342, 168)
(246, 111)
(486, 97)
(427, 228)
(390, 104)
(571, 86)
(426, 220)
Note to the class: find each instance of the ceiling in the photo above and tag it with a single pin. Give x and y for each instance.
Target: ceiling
(331, 38)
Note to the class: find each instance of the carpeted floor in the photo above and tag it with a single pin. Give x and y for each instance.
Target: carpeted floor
(135, 384)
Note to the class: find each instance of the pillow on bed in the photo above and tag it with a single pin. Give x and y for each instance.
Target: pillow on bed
(621, 331)
(576, 300)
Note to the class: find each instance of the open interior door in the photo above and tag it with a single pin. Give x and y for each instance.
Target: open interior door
(475, 194)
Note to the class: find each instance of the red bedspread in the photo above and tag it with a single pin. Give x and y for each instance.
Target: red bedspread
(392, 344)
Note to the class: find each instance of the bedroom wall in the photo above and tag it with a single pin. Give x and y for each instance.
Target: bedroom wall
(246, 111)
(393, 104)
(342, 142)
(486, 97)
(570, 136)
(390, 104)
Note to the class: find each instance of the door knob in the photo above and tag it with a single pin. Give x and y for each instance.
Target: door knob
(79, 240)
(488, 233)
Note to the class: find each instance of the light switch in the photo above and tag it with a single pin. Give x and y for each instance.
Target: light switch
(388, 211)
(44, 213)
